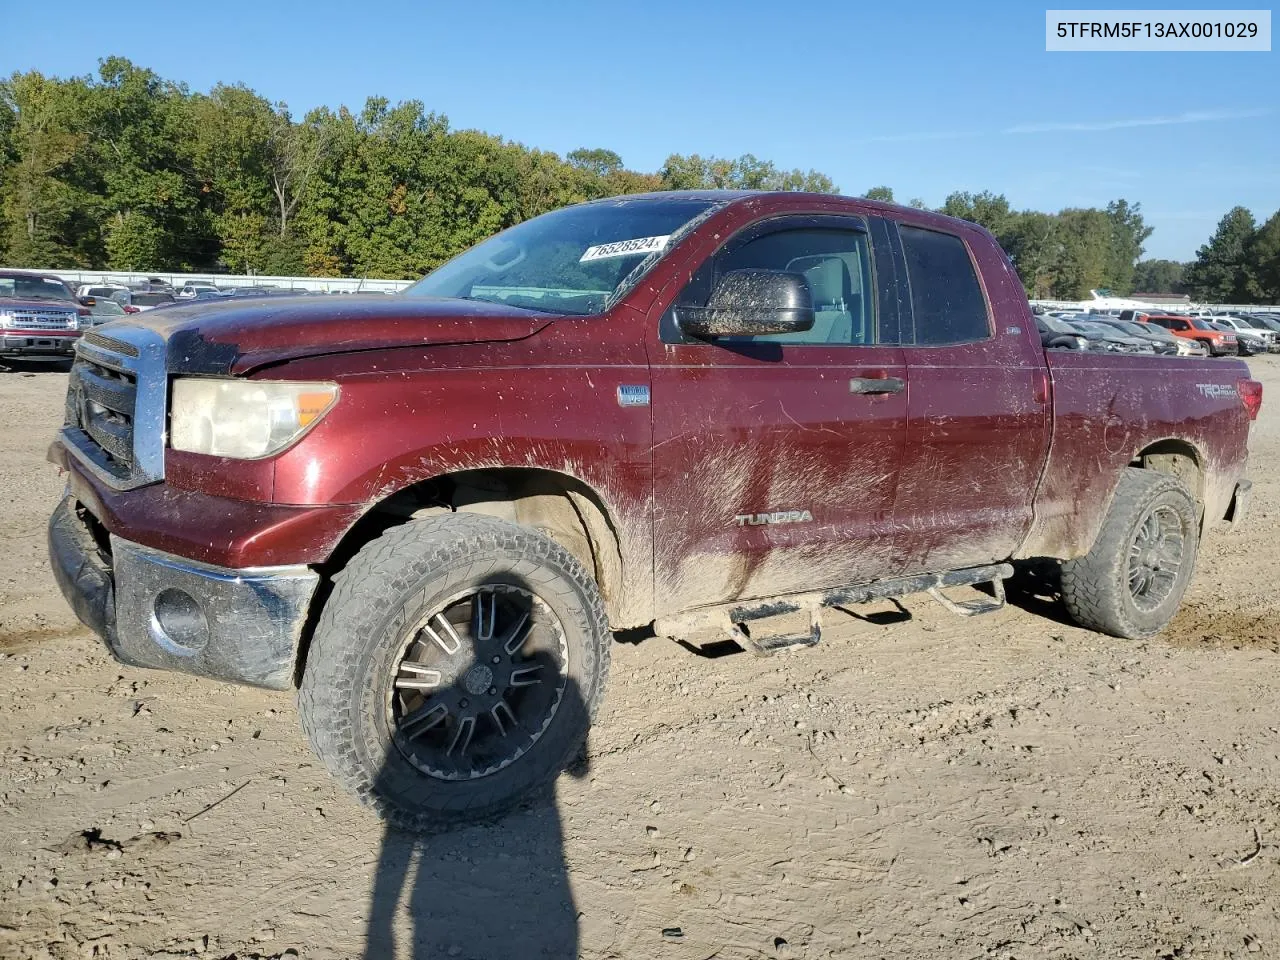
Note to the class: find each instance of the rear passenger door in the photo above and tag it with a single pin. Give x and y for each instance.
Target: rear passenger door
(776, 457)
(977, 414)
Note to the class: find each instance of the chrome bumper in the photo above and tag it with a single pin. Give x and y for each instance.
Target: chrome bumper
(153, 609)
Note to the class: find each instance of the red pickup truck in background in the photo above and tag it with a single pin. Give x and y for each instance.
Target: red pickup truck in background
(693, 411)
(39, 316)
(1219, 343)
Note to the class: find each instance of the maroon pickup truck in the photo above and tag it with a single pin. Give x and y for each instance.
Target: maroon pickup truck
(694, 411)
(39, 316)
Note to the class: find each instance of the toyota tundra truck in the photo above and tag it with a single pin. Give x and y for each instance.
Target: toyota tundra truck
(693, 412)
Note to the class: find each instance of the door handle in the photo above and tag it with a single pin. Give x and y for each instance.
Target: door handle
(876, 385)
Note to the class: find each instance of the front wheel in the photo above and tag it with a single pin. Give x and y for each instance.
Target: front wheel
(1132, 581)
(455, 669)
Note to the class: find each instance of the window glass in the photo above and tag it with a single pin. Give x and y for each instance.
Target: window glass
(837, 266)
(576, 260)
(945, 295)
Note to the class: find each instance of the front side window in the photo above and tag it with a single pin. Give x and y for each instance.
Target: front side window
(835, 263)
(577, 260)
(945, 295)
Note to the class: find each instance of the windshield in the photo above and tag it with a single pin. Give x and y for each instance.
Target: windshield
(576, 260)
(1267, 323)
(107, 308)
(151, 299)
(34, 288)
(1201, 324)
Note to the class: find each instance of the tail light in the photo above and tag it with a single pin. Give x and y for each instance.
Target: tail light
(84, 311)
(132, 309)
(1251, 396)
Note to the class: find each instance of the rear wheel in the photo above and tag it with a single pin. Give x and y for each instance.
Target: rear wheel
(455, 669)
(1132, 581)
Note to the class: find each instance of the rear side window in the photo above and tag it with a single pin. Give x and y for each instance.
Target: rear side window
(945, 295)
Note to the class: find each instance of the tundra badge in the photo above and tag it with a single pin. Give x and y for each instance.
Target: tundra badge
(780, 516)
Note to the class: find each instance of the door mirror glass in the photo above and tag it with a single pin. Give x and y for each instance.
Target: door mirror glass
(751, 303)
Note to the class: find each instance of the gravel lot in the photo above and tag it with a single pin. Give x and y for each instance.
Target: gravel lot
(1009, 787)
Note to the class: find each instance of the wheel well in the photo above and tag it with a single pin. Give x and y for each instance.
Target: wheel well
(562, 507)
(1179, 459)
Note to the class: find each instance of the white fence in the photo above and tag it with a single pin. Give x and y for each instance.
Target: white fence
(227, 281)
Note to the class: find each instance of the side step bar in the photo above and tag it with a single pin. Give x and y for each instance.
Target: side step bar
(731, 618)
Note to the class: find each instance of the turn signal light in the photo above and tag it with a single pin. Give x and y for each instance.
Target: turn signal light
(1251, 396)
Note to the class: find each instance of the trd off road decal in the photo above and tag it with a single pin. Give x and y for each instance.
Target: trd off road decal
(781, 516)
(1217, 391)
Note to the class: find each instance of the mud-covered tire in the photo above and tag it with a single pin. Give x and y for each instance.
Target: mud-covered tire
(1098, 587)
(347, 696)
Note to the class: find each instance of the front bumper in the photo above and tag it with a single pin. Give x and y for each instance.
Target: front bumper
(156, 610)
(36, 343)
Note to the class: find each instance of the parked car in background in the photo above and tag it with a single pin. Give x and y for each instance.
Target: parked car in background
(1247, 342)
(1165, 343)
(1219, 343)
(39, 316)
(135, 301)
(1057, 334)
(99, 291)
(104, 311)
(1249, 328)
(1103, 336)
(189, 291)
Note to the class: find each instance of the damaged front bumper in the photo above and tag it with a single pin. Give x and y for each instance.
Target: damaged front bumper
(154, 609)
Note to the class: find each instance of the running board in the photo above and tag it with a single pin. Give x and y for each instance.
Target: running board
(972, 608)
(768, 646)
(730, 618)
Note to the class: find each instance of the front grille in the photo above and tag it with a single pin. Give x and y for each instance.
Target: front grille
(110, 343)
(117, 393)
(101, 403)
(42, 320)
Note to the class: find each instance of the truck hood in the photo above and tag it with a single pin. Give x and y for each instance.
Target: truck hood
(20, 303)
(236, 337)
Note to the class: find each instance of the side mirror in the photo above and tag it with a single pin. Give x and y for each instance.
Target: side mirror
(751, 303)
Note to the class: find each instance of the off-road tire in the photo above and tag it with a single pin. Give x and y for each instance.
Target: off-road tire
(353, 659)
(1096, 587)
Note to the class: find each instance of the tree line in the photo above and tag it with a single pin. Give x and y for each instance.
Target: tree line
(125, 170)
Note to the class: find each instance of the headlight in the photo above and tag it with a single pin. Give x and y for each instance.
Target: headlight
(244, 419)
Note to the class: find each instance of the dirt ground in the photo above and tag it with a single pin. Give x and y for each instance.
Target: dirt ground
(934, 787)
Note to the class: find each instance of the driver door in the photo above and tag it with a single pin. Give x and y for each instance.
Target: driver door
(776, 457)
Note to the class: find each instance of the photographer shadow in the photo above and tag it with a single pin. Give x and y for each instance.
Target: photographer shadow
(485, 891)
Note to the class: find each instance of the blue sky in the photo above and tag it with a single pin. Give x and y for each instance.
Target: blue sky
(926, 97)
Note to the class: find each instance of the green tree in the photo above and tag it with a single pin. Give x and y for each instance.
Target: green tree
(991, 210)
(43, 199)
(1128, 232)
(1265, 255)
(1158, 276)
(1031, 240)
(884, 194)
(745, 173)
(1083, 253)
(1223, 271)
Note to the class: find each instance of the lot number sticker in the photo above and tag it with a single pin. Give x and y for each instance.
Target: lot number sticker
(624, 248)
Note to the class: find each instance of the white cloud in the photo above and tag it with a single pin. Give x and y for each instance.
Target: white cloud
(921, 137)
(1098, 126)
